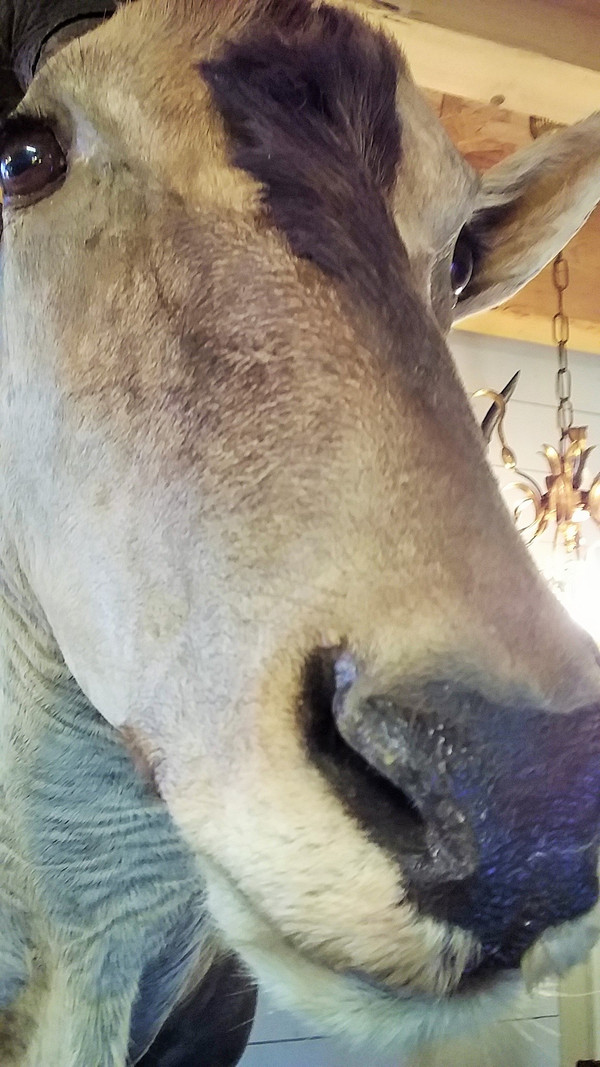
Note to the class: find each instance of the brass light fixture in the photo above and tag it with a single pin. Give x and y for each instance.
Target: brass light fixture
(564, 504)
(573, 571)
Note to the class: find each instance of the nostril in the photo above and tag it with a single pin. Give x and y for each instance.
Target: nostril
(485, 808)
(415, 751)
(386, 813)
(318, 693)
(399, 792)
(502, 801)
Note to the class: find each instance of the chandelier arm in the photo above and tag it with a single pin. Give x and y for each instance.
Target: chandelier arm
(564, 503)
(532, 496)
(581, 466)
(553, 458)
(532, 486)
(497, 411)
(593, 500)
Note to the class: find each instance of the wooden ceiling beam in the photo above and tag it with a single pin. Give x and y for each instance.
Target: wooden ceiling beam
(559, 29)
(460, 63)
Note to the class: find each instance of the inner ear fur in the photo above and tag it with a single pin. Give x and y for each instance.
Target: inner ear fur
(529, 206)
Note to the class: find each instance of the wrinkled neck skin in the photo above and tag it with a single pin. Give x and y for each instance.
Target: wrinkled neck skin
(95, 881)
(73, 952)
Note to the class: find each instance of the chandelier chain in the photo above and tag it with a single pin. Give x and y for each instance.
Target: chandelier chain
(564, 502)
(560, 333)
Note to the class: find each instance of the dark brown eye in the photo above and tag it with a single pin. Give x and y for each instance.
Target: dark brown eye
(32, 163)
(462, 263)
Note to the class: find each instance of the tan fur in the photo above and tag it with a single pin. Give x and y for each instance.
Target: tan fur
(212, 465)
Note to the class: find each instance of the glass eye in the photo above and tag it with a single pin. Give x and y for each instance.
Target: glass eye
(32, 163)
(461, 269)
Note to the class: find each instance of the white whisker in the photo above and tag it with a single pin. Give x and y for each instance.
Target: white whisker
(545, 1029)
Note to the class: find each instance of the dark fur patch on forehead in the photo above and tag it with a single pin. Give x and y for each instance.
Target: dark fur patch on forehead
(309, 103)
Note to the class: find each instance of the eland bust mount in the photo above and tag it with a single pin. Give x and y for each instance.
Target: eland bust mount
(266, 719)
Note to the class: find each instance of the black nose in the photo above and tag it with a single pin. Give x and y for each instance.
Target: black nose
(493, 812)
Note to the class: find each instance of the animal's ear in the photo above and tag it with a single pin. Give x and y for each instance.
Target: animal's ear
(529, 207)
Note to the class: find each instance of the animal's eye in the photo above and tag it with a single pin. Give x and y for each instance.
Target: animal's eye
(462, 263)
(32, 163)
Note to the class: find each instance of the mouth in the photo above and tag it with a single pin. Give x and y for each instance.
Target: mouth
(351, 1003)
(322, 913)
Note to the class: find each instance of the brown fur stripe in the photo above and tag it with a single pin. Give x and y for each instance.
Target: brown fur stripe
(309, 104)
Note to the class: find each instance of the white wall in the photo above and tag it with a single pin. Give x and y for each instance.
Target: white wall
(531, 1039)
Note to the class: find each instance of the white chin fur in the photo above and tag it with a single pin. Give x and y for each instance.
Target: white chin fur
(561, 948)
(343, 1005)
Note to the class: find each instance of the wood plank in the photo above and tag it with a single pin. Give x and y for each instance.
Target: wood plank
(478, 68)
(568, 30)
(484, 133)
(525, 324)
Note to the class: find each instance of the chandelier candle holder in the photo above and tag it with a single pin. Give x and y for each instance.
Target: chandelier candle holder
(565, 504)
